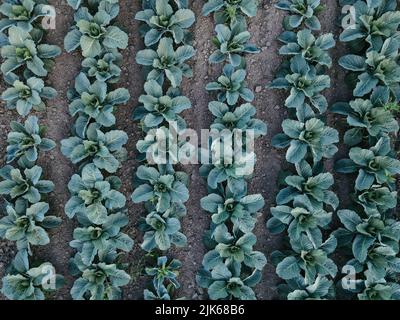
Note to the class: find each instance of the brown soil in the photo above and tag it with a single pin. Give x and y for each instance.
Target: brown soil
(261, 69)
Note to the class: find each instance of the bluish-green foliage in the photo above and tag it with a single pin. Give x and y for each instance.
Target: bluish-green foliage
(305, 204)
(162, 189)
(98, 150)
(370, 233)
(26, 215)
(231, 268)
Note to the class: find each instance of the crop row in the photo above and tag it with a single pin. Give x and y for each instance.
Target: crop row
(231, 267)
(162, 189)
(96, 148)
(305, 204)
(371, 231)
(27, 60)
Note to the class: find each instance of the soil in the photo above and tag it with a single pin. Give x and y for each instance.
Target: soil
(265, 28)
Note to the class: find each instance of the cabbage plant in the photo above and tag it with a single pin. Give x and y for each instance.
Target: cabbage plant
(23, 51)
(166, 61)
(231, 43)
(297, 289)
(304, 84)
(99, 281)
(25, 184)
(373, 23)
(157, 107)
(378, 289)
(314, 186)
(304, 43)
(27, 224)
(373, 165)
(93, 33)
(311, 137)
(300, 219)
(24, 282)
(238, 208)
(92, 240)
(158, 146)
(225, 283)
(378, 68)
(104, 149)
(93, 196)
(229, 165)
(162, 231)
(377, 199)
(301, 11)
(373, 242)
(367, 118)
(239, 119)
(105, 67)
(26, 140)
(228, 11)
(231, 86)
(94, 101)
(309, 259)
(161, 187)
(25, 96)
(164, 21)
(164, 275)
(234, 251)
(24, 14)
